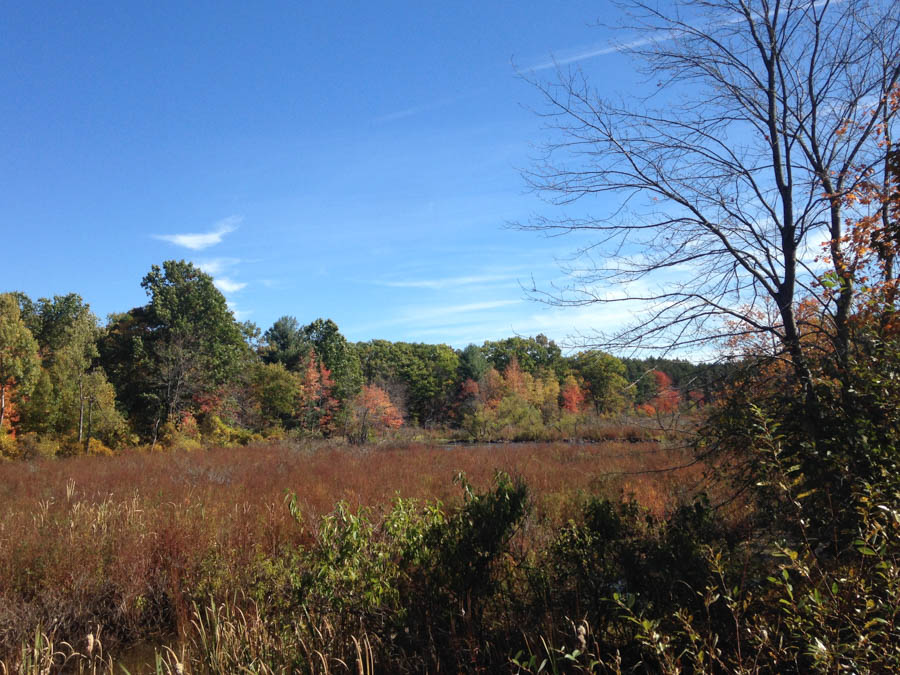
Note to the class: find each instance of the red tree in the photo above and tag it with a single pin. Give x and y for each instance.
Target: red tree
(317, 404)
(667, 397)
(572, 396)
(372, 410)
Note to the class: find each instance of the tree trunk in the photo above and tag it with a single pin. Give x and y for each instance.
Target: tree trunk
(156, 430)
(81, 411)
(800, 365)
(87, 439)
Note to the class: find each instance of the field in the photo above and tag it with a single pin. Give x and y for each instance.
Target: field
(129, 546)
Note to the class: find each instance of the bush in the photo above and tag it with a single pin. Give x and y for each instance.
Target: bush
(34, 446)
(8, 447)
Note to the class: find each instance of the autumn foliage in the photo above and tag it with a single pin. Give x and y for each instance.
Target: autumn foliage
(317, 405)
(572, 397)
(372, 412)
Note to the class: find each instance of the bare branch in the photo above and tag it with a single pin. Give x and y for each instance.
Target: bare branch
(722, 179)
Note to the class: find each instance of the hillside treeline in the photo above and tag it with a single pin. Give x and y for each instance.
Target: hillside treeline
(182, 370)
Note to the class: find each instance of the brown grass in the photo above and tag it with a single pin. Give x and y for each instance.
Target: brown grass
(127, 542)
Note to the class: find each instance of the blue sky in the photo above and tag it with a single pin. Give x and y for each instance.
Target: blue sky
(356, 161)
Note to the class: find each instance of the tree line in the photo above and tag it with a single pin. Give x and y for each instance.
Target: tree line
(181, 368)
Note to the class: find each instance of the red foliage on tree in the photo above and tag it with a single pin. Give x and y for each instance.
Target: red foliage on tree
(317, 404)
(208, 401)
(490, 389)
(374, 403)
(645, 408)
(468, 395)
(515, 379)
(372, 410)
(469, 389)
(9, 415)
(572, 396)
(667, 397)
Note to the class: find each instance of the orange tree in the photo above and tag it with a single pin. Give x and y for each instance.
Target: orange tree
(371, 410)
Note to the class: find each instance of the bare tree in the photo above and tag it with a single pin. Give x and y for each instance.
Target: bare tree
(765, 115)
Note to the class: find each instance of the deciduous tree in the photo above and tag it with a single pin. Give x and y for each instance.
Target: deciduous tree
(372, 410)
(184, 342)
(19, 361)
(724, 181)
(318, 406)
(336, 354)
(604, 377)
(572, 396)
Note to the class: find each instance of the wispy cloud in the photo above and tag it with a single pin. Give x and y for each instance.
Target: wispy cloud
(448, 282)
(272, 283)
(469, 307)
(661, 36)
(615, 47)
(599, 50)
(202, 240)
(216, 266)
(419, 109)
(427, 317)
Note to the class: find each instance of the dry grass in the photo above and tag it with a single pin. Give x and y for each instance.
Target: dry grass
(129, 542)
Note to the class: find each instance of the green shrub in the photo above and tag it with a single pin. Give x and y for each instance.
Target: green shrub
(35, 446)
(8, 447)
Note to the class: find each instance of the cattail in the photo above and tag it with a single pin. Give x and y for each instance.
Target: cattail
(90, 643)
(582, 640)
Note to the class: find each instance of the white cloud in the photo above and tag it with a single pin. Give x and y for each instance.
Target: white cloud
(218, 268)
(470, 307)
(227, 285)
(215, 266)
(200, 241)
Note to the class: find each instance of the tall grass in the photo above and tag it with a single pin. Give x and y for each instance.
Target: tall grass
(135, 544)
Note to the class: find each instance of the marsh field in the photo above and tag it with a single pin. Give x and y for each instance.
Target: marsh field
(312, 556)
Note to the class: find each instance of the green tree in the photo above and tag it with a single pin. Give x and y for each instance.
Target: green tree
(126, 360)
(74, 378)
(472, 363)
(277, 391)
(426, 375)
(432, 374)
(285, 343)
(534, 354)
(185, 342)
(195, 342)
(337, 355)
(53, 321)
(604, 376)
(19, 361)
(72, 392)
